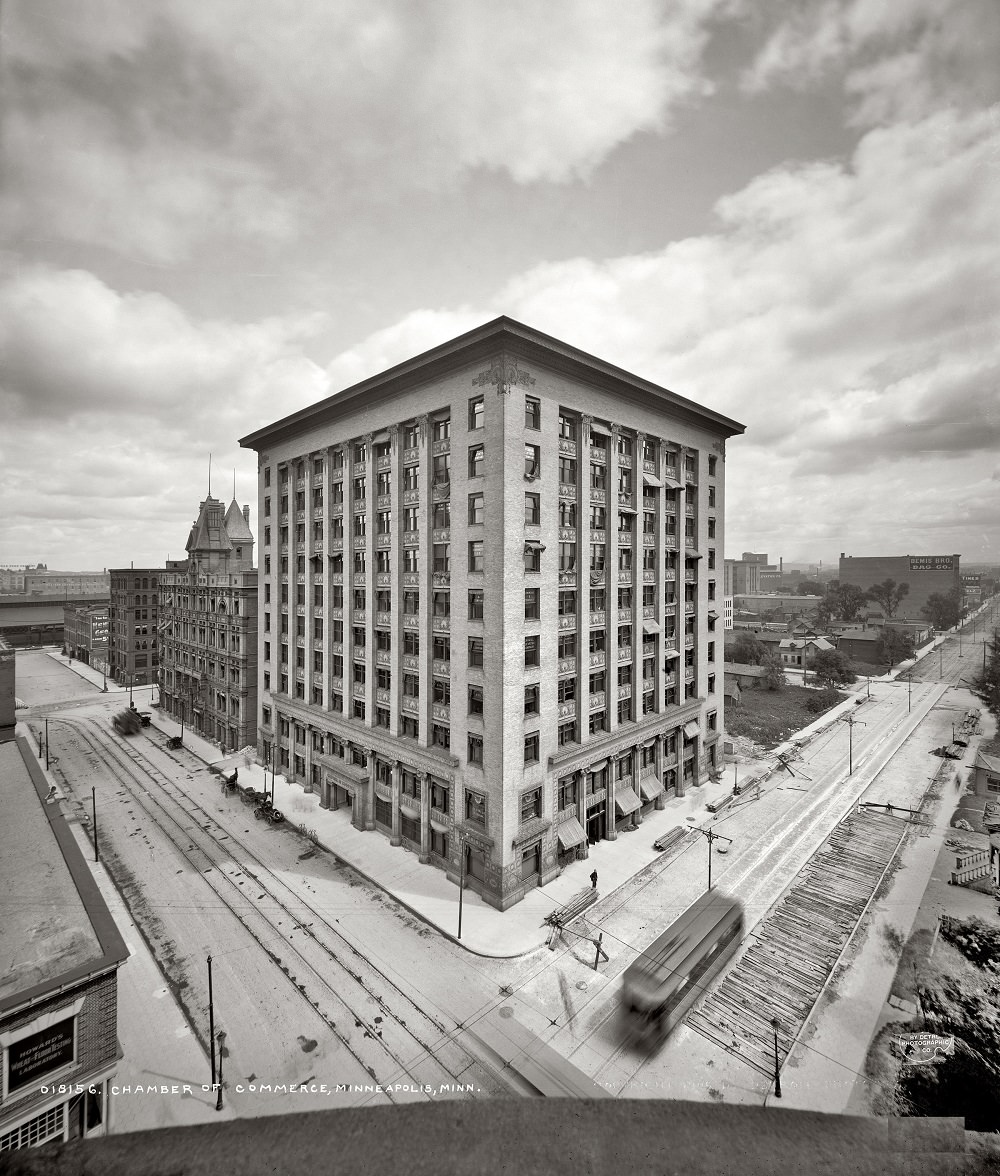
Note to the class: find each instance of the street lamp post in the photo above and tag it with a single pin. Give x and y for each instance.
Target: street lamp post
(777, 1069)
(222, 1039)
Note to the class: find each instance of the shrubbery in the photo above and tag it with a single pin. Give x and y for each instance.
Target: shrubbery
(823, 700)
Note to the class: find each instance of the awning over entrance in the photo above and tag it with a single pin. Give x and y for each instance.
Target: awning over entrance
(650, 787)
(626, 801)
(691, 729)
(570, 833)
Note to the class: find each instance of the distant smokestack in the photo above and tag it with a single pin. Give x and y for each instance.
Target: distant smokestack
(781, 564)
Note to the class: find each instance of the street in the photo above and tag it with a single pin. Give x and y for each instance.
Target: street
(320, 976)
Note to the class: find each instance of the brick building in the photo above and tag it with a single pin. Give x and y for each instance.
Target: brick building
(491, 579)
(925, 574)
(85, 632)
(132, 626)
(208, 622)
(59, 956)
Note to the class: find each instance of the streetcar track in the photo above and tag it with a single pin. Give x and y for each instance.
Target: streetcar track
(371, 1029)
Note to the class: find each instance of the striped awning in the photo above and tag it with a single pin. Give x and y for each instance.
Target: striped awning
(570, 833)
(626, 801)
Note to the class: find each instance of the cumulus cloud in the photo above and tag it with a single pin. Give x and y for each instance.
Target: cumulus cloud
(165, 124)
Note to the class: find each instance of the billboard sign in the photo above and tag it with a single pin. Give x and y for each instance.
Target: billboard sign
(39, 1054)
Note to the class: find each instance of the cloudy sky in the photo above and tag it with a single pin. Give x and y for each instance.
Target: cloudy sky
(214, 213)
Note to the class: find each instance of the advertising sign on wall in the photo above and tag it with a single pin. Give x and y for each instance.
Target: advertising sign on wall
(33, 1057)
(932, 563)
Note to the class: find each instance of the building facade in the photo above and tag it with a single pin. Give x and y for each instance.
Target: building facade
(66, 584)
(208, 628)
(59, 957)
(8, 687)
(132, 626)
(491, 581)
(85, 632)
(925, 574)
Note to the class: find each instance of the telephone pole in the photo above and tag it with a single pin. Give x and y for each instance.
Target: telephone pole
(711, 835)
(850, 720)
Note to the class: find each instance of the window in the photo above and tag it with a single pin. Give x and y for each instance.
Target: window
(411, 436)
(567, 792)
(409, 727)
(359, 636)
(532, 413)
(532, 604)
(597, 557)
(477, 509)
(567, 427)
(477, 461)
(475, 802)
(598, 516)
(442, 604)
(442, 691)
(567, 513)
(440, 796)
(532, 461)
(624, 481)
(411, 686)
(441, 648)
(567, 557)
(625, 598)
(711, 688)
(597, 641)
(442, 469)
(711, 465)
(531, 744)
(477, 413)
(532, 651)
(532, 558)
(567, 645)
(442, 557)
(441, 429)
(476, 548)
(567, 602)
(359, 673)
(440, 736)
(474, 755)
(625, 636)
(475, 700)
(567, 733)
(475, 651)
(597, 682)
(566, 690)
(598, 476)
(567, 471)
(411, 559)
(532, 696)
(359, 489)
(711, 496)
(532, 509)
(476, 599)
(411, 643)
(711, 528)
(598, 721)
(411, 475)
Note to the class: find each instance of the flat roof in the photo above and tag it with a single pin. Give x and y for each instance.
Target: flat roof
(483, 343)
(55, 927)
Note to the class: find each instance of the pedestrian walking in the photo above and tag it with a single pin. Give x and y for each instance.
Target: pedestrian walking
(593, 880)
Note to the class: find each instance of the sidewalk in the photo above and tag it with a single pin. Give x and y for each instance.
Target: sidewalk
(424, 890)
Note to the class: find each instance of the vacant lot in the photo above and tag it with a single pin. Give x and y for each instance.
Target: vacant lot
(768, 717)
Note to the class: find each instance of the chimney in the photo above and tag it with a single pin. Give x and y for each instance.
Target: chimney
(246, 513)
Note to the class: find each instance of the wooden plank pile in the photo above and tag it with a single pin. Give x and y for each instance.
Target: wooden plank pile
(796, 949)
(575, 907)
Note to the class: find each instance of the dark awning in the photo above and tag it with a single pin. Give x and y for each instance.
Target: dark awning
(626, 801)
(570, 833)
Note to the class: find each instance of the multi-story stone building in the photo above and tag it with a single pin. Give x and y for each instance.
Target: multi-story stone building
(66, 584)
(85, 632)
(132, 620)
(59, 957)
(926, 575)
(491, 583)
(208, 628)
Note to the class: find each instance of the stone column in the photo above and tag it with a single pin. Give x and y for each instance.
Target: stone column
(581, 809)
(661, 800)
(370, 804)
(681, 786)
(425, 819)
(397, 780)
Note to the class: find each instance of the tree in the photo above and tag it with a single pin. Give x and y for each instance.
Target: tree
(985, 685)
(774, 673)
(845, 601)
(894, 645)
(943, 609)
(888, 595)
(832, 667)
(748, 650)
(809, 588)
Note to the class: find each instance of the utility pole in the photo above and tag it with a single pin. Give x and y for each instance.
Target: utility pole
(46, 743)
(850, 720)
(222, 1039)
(211, 1019)
(463, 849)
(777, 1069)
(93, 801)
(711, 835)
